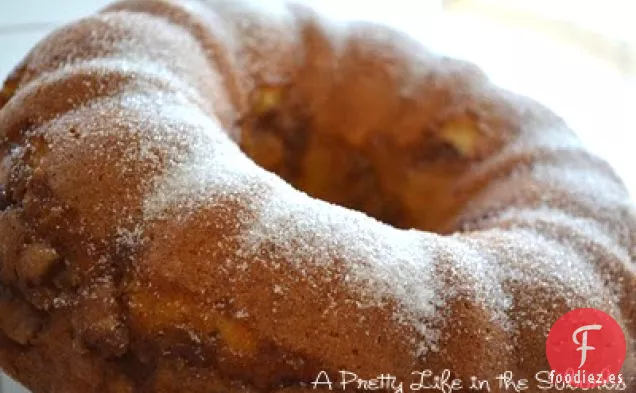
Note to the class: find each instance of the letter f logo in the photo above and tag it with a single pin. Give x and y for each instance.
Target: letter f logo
(586, 329)
(583, 343)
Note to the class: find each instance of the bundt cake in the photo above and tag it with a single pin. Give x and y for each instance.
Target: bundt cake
(224, 197)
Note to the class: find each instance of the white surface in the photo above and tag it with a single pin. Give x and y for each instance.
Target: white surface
(612, 17)
(598, 102)
(38, 11)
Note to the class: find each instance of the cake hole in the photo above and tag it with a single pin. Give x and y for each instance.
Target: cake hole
(74, 133)
(405, 185)
(321, 167)
(4, 199)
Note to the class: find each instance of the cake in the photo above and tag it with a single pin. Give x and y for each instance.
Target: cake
(225, 197)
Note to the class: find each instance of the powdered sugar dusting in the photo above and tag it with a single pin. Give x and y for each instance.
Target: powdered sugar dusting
(209, 167)
(381, 263)
(385, 264)
(580, 236)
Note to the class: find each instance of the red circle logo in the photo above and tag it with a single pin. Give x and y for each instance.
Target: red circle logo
(586, 348)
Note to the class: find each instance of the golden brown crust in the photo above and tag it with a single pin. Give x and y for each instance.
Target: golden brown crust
(141, 251)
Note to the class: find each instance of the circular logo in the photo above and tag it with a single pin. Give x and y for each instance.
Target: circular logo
(586, 348)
